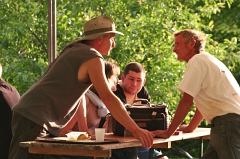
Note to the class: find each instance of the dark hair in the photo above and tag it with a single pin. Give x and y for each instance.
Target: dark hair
(135, 67)
(111, 68)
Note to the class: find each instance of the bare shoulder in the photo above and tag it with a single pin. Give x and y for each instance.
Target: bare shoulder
(93, 71)
(90, 66)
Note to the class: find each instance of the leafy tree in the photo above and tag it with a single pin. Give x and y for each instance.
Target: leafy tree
(23, 42)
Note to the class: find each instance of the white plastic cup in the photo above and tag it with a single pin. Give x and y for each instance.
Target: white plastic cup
(99, 133)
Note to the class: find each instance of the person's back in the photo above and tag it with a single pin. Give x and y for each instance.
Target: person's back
(9, 96)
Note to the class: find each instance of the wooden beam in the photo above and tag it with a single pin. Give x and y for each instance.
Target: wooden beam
(72, 152)
(163, 145)
(52, 36)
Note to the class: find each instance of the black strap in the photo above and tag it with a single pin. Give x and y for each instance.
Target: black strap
(102, 121)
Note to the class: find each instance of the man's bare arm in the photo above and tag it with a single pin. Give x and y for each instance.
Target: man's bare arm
(82, 115)
(95, 70)
(196, 120)
(183, 108)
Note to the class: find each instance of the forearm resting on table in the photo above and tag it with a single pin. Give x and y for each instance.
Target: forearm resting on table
(196, 120)
(183, 108)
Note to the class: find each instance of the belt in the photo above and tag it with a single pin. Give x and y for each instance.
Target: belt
(219, 119)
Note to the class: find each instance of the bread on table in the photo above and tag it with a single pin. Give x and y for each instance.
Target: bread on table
(74, 135)
(83, 137)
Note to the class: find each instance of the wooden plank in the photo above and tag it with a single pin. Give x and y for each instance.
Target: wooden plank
(207, 137)
(73, 152)
(104, 150)
(64, 145)
(37, 144)
(164, 145)
(199, 132)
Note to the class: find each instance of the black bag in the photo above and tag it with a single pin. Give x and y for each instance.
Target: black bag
(147, 116)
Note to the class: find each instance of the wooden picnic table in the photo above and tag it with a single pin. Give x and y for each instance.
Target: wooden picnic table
(104, 150)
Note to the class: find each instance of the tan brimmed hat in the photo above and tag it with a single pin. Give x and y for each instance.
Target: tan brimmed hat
(97, 27)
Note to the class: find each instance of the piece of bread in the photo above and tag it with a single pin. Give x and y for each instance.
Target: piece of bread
(83, 137)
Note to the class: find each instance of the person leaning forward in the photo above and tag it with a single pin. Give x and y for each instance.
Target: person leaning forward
(53, 100)
(216, 93)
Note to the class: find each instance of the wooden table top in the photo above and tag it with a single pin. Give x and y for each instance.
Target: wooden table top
(105, 149)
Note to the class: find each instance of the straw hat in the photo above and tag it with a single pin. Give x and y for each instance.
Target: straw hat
(97, 27)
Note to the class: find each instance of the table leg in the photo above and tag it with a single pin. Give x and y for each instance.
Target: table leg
(201, 147)
(181, 151)
(151, 153)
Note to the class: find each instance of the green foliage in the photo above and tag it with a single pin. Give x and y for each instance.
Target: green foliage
(23, 42)
(148, 27)
(191, 146)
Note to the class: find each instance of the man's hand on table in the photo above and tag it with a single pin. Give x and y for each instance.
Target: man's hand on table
(144, 136)
(161, 133)
(185, 128)
(166, 134)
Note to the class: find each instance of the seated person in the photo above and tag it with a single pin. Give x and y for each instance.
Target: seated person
(91, 110)
(131, 88)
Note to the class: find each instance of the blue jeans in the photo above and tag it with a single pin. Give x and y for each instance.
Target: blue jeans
(225, 138)
(143, 153)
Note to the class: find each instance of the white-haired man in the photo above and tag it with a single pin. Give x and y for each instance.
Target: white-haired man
(216, 93)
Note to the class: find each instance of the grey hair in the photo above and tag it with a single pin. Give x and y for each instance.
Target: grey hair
(198, 36)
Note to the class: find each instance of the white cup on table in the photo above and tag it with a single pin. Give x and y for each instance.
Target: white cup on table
(99, 134)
